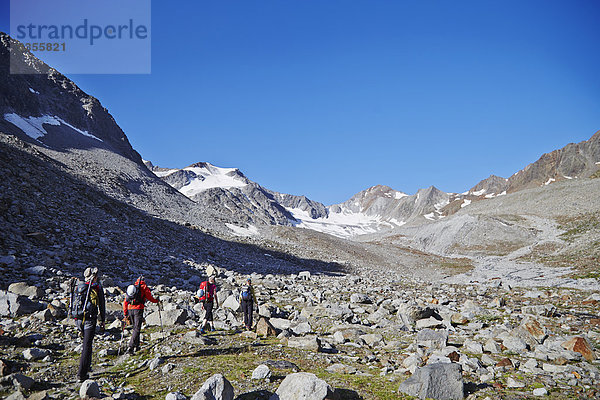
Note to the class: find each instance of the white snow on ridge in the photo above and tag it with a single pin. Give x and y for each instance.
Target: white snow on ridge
(162, 174)
(345, 224)
(212, 177)
(399, 195)
(34, 126)
(465, 203)
(479, 192)
(549, 181)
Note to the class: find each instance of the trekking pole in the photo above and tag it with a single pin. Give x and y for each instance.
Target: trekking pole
(87, 297)
(71, 292)
(123, 323)
(162, 333)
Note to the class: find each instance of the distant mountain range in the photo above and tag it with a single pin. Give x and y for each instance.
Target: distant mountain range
(49, 110)
(378, 208)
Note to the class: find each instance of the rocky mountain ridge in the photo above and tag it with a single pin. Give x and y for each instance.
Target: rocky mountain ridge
(378, 208)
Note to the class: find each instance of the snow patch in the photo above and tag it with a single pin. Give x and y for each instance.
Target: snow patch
(465, 203)
(430, 216)
(33, 91)
(399, 195)
(344, 224)
(34, 126)
(549, 181)
(251, 230)
(479, 192)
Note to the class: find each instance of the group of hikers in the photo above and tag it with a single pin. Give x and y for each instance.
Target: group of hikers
(88, 308)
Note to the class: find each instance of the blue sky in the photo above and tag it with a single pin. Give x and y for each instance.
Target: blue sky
(326, 98)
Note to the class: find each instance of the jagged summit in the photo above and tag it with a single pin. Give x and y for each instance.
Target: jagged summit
(46, 107)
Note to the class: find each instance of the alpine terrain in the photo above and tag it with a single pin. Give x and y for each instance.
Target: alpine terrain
(488, 294)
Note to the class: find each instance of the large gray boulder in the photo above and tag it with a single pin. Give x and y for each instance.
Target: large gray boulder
(13, 305)
(23, 289)
(305, 343)
(232, 303)
(440, 381)
(215, 388)
(88, 389)
(169, 317)
(304, 386)
(435, 340)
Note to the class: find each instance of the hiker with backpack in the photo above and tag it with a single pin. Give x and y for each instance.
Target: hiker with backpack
(208, 297)
(133, 309)
(87, 301)
(248, 300)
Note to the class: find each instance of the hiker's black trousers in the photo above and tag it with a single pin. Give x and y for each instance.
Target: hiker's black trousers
(89, 329)
(247, 310)
(137, 317)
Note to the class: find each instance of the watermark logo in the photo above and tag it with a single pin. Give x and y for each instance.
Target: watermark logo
(83, 36)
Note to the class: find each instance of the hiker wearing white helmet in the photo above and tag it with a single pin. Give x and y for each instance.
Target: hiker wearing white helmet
(133, 309)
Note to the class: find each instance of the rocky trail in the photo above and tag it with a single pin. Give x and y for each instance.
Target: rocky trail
(344, 337)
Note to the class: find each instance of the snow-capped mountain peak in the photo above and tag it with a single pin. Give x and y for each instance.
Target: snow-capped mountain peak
(199, 177)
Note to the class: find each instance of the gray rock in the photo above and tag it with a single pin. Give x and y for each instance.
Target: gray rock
(341, 369)
(305, 343)
(360, 298)
(472, 346)
(302, 328)
(12, 305)
(167, 368)
(437, 381)
(280, 323)
(303, 386)
(373, 339)
(155, 363)
(232, 303)
(169, 317)
(194, 337)
(492, 346)
(38, 270)
(89, 388)
(305, 275)
(514, 344)
(35, 354)
(429, 323)
(175, 396)
(16, 396)
(540, 392)
(261, 372)
(21, 381)
(215, 388)
(432, 339)
(7, 260)
(338, 337)
(23, 289)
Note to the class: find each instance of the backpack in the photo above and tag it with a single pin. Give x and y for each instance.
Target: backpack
(79, 303)
(246, 294)
(207, 296)
(136, 297)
